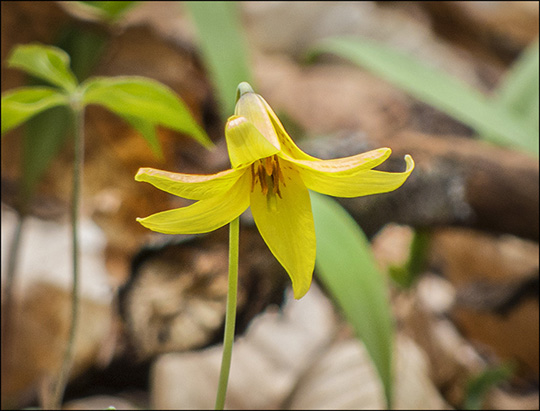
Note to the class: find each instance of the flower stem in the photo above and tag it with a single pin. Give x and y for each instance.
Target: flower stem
(75, 203)
(230, 315)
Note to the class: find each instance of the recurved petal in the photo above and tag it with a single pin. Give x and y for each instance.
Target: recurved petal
(344, 165)
(190, 186)
(245, 142)
(358, 183)
(287, 144)
(286, 225)
(205, 215)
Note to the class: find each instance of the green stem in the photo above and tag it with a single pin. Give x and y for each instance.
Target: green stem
(9, 286)
(75, 203)
(230, 315)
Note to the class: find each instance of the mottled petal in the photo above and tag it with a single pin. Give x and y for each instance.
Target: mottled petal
(190, 186)
(245, 143)
(345, 165)
(205, 215)
(286, 225)
(355, 184)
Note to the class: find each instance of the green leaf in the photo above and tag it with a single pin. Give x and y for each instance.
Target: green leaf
(346, 267)
(406, 275)
(223, 47)
(84, 46)
(519, 92)
(44, 137)
(44, 62)
(145, 99)
(479, 386)
(18, 105)
(434, 87)
(148, 131)
(110, 10)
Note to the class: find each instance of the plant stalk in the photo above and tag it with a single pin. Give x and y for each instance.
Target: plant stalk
(78, 161)
(230, 314)
(8, 290)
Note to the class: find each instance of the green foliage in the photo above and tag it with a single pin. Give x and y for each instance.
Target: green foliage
(479, 386)
(20, 104)
(406, 275)
(84, 46)
(110, 10)
(142, 102)
(519, 92)
(144, 99)
(46, 63)
(46, 134)
(223, 46)
(493, 121)
(147, 130)
(347, 268)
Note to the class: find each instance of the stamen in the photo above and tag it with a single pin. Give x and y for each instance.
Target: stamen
(262, 179)
(253, 178)
(275, 183)
(281, 178)
(268, 173)
(269, 165)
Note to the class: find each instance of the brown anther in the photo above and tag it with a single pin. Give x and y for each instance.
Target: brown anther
(262, 179)
(275, 183)
(269, 165)
(268, 173)
(253, 178)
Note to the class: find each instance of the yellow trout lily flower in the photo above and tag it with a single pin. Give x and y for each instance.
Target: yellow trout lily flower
(271, 175)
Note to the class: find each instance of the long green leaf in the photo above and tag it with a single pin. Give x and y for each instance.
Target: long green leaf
(519, 91)
(448, 94)
(223, 47)
(18, 105)
(347, 268)
(44, 62)
(146, 99)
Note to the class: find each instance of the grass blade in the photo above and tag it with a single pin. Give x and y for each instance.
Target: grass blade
(223, 47)
(519, 91)
(444, 92)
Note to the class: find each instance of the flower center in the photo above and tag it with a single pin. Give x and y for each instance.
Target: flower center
(267, 173)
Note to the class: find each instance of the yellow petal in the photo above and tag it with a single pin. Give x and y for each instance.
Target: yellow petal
(190, 186)
(286, 225)
(204, 215)
(287, 144)
(359, 183)
(345, 165)
(245, 143)
(251, 107)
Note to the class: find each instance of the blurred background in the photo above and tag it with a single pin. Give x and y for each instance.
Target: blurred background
(457, 244)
